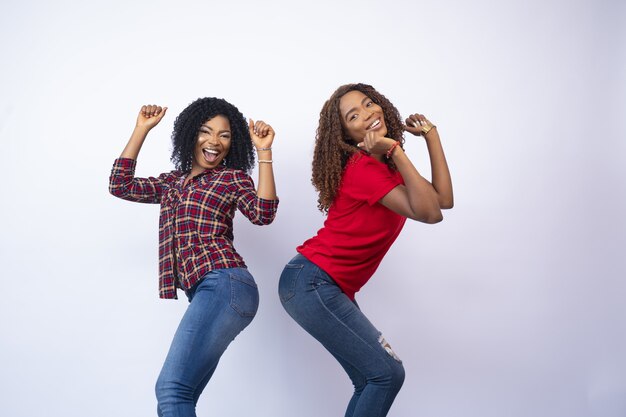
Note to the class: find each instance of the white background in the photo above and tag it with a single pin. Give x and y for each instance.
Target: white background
(511, 307)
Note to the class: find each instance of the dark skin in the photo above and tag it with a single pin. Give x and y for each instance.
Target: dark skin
(214, 138)
(418, 199)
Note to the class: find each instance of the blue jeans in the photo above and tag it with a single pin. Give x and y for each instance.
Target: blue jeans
(220, 307)
(317, 304)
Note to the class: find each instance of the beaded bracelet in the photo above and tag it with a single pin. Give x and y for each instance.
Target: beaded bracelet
(390, 151)
(265, 161)
(264, 149)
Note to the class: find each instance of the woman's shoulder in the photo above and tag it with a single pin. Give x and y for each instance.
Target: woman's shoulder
(361, 160)
(171, 176)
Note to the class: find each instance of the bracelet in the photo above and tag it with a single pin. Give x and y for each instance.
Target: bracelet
(427, 129)
(265, 161)
(264, 149)
(390, 151)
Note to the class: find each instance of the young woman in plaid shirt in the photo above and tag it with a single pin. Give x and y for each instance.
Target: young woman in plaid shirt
(213, 149)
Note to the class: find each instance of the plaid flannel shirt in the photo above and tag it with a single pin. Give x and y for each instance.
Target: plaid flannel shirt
(196, 221)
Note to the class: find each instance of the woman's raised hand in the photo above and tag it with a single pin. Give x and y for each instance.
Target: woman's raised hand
(261, 133)
(418, 125)
(150, 115)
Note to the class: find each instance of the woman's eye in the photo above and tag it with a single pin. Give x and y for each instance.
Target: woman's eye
(226, 137)
(369, 103)
(353, 117)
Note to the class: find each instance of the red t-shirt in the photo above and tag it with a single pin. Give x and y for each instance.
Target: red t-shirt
(359, 230)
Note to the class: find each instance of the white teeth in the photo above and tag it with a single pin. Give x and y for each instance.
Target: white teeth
(376, 123)
(213, 151)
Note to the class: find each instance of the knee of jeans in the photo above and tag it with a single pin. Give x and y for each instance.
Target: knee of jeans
(391, 377)
(167, 391)
(397, 375)
(160, 389)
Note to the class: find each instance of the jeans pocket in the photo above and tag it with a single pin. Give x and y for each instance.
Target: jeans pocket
(244, 294)
(288, 281)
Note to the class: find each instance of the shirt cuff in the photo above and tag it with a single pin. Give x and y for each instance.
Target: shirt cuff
(268, 205)
(125, 163)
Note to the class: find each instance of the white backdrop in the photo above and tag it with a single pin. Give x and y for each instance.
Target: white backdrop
(513, 306)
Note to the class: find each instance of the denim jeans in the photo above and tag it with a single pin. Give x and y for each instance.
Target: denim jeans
(317, 304)
(221, 306)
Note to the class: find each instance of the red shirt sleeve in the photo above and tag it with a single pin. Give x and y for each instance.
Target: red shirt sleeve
(367, 179)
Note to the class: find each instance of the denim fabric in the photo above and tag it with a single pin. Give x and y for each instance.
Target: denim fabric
(220, 307)
(317, 304)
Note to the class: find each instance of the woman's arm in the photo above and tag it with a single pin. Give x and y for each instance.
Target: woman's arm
(417, 124)
(418, 199)
(122, 182)
(262, 136)
(149, 116)
(260, 206)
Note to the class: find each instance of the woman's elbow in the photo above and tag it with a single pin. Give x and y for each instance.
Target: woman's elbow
(434, 218)
(116, 191)
(447, 205)
(262, 220)
(428, 218)
(119, 192)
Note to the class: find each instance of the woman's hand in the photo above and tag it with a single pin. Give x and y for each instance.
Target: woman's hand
(375, 144)
(418, 125)
(261, 133)
(149, 116)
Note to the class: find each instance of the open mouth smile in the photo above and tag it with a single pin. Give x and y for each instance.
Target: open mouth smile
(374, 125)
(210, 154)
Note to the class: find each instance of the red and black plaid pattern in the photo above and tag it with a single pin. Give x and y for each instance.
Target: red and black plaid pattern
(196, 222)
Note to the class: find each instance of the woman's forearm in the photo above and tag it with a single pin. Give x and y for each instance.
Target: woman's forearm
(135, 143)
(422, 198)
(441, 180)
(267, 186)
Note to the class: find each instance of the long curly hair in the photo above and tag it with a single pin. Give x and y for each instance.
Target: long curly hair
(187, 126)
(333, 146)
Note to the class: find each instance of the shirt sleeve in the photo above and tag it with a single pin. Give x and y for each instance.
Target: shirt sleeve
(367, 179)
(258, 210)
(123, 184)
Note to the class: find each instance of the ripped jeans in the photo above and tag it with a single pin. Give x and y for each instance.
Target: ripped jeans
(317, 304)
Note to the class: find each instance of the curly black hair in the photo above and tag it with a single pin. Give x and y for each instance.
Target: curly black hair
(188, 123)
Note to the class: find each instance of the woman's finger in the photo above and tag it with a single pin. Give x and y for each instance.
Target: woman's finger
(162, 112)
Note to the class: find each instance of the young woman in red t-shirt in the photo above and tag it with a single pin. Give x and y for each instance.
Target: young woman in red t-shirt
(368, 187)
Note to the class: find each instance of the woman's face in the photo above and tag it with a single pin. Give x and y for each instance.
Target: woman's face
(213, 143)
(359, 115)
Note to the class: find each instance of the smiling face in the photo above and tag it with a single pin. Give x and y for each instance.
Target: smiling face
(359, 115)
(212, 145)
